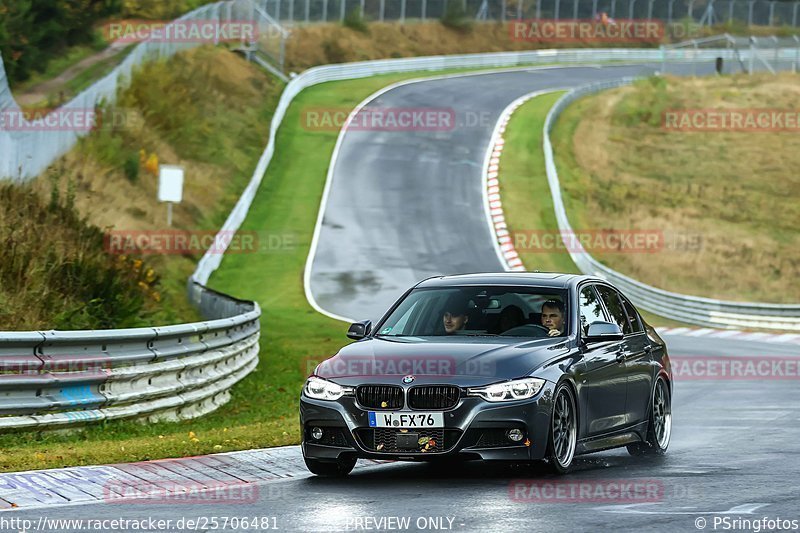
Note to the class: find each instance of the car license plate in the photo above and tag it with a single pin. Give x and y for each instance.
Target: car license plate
(405, 420)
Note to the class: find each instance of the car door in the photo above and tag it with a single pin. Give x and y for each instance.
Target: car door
(602, 378)
(639, 363)
(635, 353)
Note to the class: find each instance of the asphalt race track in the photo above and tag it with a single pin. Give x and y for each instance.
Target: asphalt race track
(402, 207)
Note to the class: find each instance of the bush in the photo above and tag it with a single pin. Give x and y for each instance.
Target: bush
(131, 167)
(456, 18)
(355, 21)
(334, 52)
(646, 104)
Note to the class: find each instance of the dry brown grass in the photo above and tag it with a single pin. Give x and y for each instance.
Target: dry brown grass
(735, 193)
(320, 44)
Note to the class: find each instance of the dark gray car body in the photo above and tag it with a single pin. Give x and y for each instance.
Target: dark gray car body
(613, 383)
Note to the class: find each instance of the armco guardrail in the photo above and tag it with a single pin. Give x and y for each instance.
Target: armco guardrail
(61, 378)
(691, 309)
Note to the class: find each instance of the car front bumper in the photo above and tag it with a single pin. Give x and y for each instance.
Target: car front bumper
(474, 429)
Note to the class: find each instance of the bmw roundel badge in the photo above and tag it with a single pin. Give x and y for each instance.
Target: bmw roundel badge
(408, 379)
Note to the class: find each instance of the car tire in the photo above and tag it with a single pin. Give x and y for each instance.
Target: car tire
(659, 425)
(335, 468)
(563, 438)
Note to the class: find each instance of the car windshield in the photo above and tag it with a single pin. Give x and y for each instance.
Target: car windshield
(479, 311)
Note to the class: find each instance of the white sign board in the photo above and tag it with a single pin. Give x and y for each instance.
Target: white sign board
(170, 183)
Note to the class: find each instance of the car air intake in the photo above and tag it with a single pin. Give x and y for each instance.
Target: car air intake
(433, 397)
(380, 396)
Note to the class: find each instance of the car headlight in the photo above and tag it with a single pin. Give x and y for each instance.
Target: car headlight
(322, 389)
(518, 389)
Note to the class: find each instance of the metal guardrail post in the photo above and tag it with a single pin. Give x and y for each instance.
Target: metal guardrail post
(796, 53)
(752, 53)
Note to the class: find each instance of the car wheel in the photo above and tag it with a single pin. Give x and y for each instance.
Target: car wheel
(659, 427)
(563, 430)
(336, 468)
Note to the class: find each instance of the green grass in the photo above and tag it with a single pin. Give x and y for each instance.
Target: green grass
(95, 72)
(527, 202)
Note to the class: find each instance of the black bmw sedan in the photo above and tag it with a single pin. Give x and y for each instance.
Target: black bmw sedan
(502, 366)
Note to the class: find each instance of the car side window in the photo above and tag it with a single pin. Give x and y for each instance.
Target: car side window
(633, 316)
(615, 308)
(590, 308)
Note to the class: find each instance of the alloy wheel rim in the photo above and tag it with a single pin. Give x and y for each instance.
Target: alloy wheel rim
(564, 432)
(662, 415)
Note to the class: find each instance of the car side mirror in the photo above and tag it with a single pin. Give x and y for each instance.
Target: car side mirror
(603, 332)
(359, 330)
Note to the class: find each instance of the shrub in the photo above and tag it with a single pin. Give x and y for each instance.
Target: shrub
(456, 18)
(355, 21)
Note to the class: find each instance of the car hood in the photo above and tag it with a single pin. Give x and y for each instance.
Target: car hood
(464, 361)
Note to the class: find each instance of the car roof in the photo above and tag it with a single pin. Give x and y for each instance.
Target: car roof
(554, 280)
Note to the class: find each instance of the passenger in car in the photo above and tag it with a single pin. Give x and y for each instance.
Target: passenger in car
(553, 317)
(510, 317)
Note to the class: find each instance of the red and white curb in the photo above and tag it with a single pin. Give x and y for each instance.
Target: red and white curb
(504, 244)
(732, 334)
(233, 477)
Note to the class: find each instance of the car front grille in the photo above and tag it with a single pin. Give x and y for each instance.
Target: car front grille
(385, 440)
(433, 397)
(380, 396)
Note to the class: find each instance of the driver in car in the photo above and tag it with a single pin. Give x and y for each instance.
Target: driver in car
(553, 317)
(455, 314)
